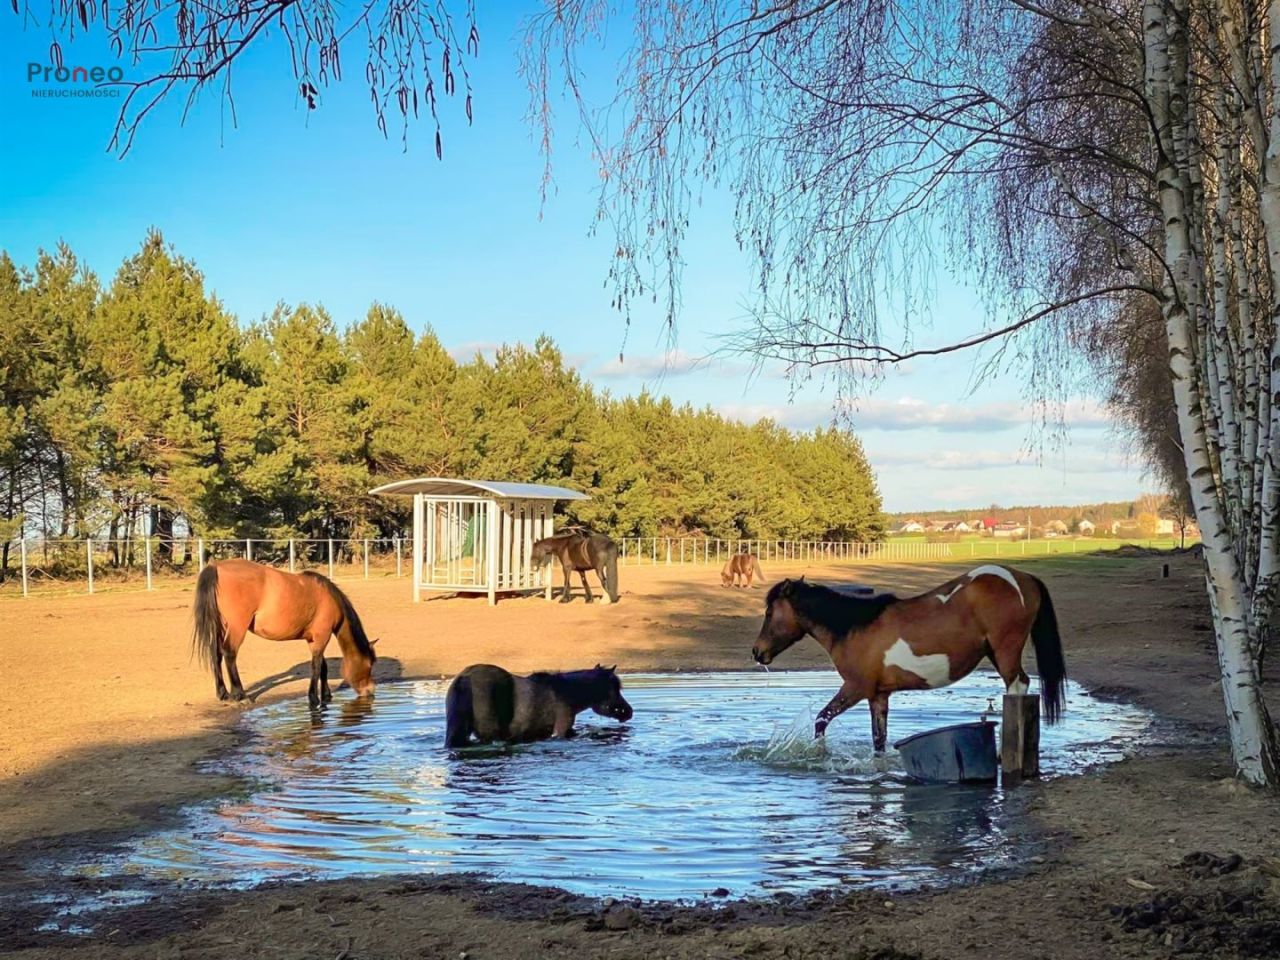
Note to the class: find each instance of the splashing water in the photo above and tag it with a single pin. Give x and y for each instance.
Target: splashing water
(717, 782)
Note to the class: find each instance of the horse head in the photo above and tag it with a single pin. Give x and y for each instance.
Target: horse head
(781, 627)
(612, 704)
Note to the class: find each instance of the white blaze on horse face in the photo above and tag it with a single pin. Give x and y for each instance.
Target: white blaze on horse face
(933, 668)
(1003, 573)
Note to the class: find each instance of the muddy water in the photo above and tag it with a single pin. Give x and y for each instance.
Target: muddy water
(716, 783)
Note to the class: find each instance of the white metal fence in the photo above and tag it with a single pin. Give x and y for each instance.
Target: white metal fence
(93, 564)
(635, 551)
(87, 566)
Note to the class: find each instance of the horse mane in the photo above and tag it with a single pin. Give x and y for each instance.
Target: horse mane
(566, 681)
(348, 614)
(838, 612)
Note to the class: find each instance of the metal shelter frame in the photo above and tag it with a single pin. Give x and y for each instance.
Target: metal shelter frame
(476, 536)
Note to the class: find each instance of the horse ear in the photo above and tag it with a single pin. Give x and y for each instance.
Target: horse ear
(801, 579)
(614, 668)
(374, 641)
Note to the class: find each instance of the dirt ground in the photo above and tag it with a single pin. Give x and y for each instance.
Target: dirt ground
(104, 718)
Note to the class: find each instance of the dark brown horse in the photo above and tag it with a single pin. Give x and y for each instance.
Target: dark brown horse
(494, 705)
(234, 597)
(579, 549)
(883, 644)
(744, 565)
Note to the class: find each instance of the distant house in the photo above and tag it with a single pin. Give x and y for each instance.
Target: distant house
(1009, 530)
(990, 523)
(911, 526)
(937, 526)
(1085, 528)
(1165, 527)
(1055, 528)
(960, 527)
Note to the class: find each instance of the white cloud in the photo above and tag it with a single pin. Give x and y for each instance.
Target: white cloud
(1074, 461)
(909, 414)
(673, 363)
(466, 352)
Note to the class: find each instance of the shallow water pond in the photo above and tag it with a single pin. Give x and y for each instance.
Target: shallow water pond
(716, 783)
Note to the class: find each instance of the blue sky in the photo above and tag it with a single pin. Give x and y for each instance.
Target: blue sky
(294, 205)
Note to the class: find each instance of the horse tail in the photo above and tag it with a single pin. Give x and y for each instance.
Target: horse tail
(349, 616)
(459, 718)
(1049, 658)
(611, 571)
(755, 567)
(207, 635)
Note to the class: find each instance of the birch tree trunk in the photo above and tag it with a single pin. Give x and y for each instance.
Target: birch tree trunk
(1166, 49)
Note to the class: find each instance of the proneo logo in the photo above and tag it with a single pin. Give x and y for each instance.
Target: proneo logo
(64, 81)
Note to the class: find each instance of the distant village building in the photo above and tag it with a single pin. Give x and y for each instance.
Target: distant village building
(1085, 528)
(1165, 527)
(911, 526)
(1009, 530)
(1055, 528)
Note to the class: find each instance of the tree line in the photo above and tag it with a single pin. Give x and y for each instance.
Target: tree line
(144, 406)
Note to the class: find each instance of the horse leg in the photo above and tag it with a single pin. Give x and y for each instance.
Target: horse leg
(841, 702)
(1007, 656)
(879, 705)
(586, 587)
(325, 693)
(219, 687)
(231, 643)
(317, 669)
(567, 596)
(605, 587)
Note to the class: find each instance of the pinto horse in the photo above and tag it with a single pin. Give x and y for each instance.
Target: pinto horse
(884, 644)
(234, 597)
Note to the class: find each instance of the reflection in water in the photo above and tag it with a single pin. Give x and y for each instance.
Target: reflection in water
(717, 782)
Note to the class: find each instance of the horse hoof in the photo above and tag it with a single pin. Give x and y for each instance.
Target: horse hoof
(223, 696)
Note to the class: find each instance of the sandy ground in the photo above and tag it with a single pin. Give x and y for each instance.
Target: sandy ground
(103, 718)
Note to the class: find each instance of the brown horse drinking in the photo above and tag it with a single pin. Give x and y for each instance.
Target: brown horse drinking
(238, 596)
(579, 549)
(883, 644)
(744, 565)
(494, 705)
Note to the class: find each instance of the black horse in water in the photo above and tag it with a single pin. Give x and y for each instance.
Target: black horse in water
(577, 548)
(494, 705)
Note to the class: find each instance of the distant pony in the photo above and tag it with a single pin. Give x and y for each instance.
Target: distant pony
(577, 548)
(234, 597)
(745, 565)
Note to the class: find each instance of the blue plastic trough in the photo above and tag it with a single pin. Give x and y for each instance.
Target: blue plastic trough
(965, 752)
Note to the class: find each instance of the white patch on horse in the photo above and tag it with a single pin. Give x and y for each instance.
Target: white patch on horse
(1018, 688)
(946, 597)
(933, 668)
(1003, 573)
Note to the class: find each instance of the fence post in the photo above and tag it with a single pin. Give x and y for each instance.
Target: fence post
(200, 553)
(655, 551)
(146, 545)
(331, 558)
(292, 556)
(366, 558)
(88, 545)
(396, 541)
(22, 548)
(248, 549)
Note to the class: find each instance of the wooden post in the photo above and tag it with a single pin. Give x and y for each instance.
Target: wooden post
(248, 549)
(331, 558)
(146, 545)
(1164, 572)
(22, 548)
(293, 556)
(1020, 738)
(88, 545)
(419, 512)
(200, 553)
(396, 541)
